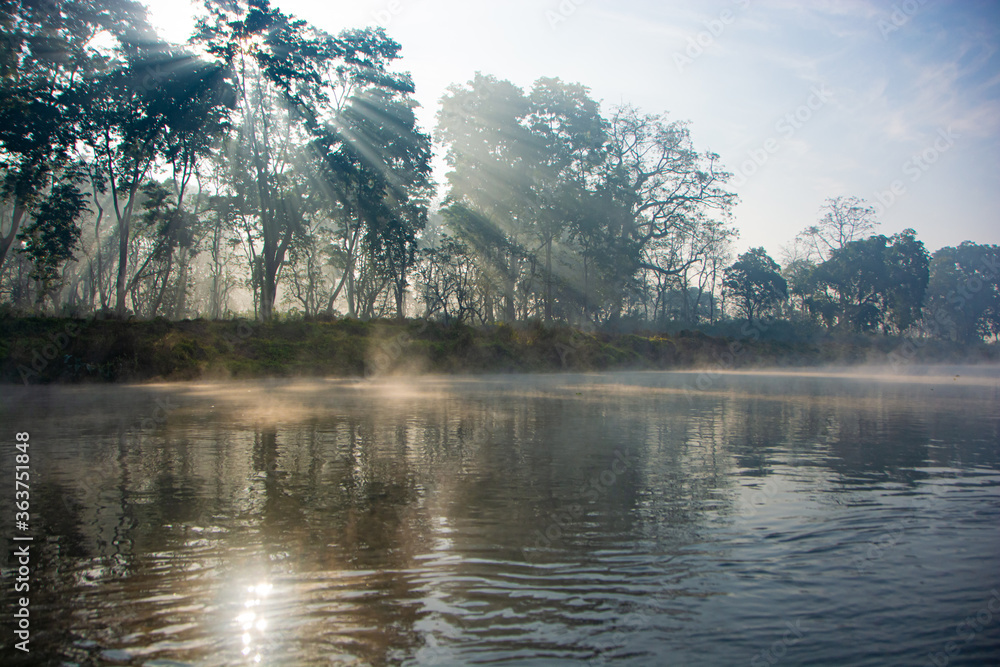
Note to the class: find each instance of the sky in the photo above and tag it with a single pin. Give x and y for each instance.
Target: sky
(895, 102)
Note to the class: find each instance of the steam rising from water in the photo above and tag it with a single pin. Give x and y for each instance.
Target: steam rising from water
(444, 520)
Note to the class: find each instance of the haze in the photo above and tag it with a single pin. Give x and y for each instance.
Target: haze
(900, 74)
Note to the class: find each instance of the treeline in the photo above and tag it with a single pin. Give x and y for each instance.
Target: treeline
(270, 164)
(838, 276)
(148, 178)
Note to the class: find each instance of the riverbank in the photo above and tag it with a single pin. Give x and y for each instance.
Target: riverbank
(47, 350)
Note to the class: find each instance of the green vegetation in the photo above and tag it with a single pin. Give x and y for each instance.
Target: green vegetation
(44, 350)
(268, 167)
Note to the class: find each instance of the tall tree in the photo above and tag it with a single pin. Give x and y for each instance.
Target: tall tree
(876, 283)
(909, 274)
(51, 237)
(754, 281)
(491, 158)
(293, 81)
(568, 135)
(47, 55)
(156, 103)
(666, 185)
(385, 175)
(845, 219)
(964, 290)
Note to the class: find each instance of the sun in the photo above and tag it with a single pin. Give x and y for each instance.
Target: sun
(174, 20)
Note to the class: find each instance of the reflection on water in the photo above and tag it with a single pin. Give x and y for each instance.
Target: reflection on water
(668, 518)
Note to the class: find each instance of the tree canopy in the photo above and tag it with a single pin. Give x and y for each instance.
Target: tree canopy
(268, 168)
(755, 282)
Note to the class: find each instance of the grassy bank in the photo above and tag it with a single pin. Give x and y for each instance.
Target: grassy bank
(44, 350)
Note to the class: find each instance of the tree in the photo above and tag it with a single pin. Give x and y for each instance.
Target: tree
(608, 259)
(52, 235)
(450, 283)
(964, 290)
(569, 135)
(390, 187)
(157, 103)
(876, 283)
(754, 281)
(490, 157)
(599, 200)
(654, 172)
(46, 57)
(909, 273)
(172, 235)
(293, 82)
(845, 219)
(689, 260)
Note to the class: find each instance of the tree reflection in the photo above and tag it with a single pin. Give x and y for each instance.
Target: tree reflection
(386, 524)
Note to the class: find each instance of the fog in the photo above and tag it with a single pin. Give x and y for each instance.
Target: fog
(442, 519)
(360, 205)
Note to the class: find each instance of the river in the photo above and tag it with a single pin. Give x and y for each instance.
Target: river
(616, 518)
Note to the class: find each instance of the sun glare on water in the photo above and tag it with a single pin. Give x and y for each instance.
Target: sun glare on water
(252, 621)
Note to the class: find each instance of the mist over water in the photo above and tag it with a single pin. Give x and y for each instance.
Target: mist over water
(629, 518)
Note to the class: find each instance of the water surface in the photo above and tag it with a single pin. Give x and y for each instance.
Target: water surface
(642, 518)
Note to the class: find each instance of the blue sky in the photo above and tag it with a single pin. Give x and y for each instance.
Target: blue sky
(896, 102)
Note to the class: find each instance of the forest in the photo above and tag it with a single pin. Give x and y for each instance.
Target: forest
(266, 169)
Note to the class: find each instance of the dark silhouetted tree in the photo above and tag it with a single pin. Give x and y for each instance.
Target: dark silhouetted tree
(964, 290)
(755, 283)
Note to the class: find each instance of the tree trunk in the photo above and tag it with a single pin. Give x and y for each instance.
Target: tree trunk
(180, 300)
(163, 287)
(268, 291)
(100, 258)
(351, 310)
(400, 290)
(15, 225)
(123, 234)
(548, 281)
(508, 294)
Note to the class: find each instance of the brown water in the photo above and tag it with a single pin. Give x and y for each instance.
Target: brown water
(650, 518)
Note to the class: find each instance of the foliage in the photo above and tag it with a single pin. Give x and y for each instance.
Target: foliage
(268, 162)
(877, 283)
(51, 237)
(326, 129)
(964, 289)
(755, 282)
